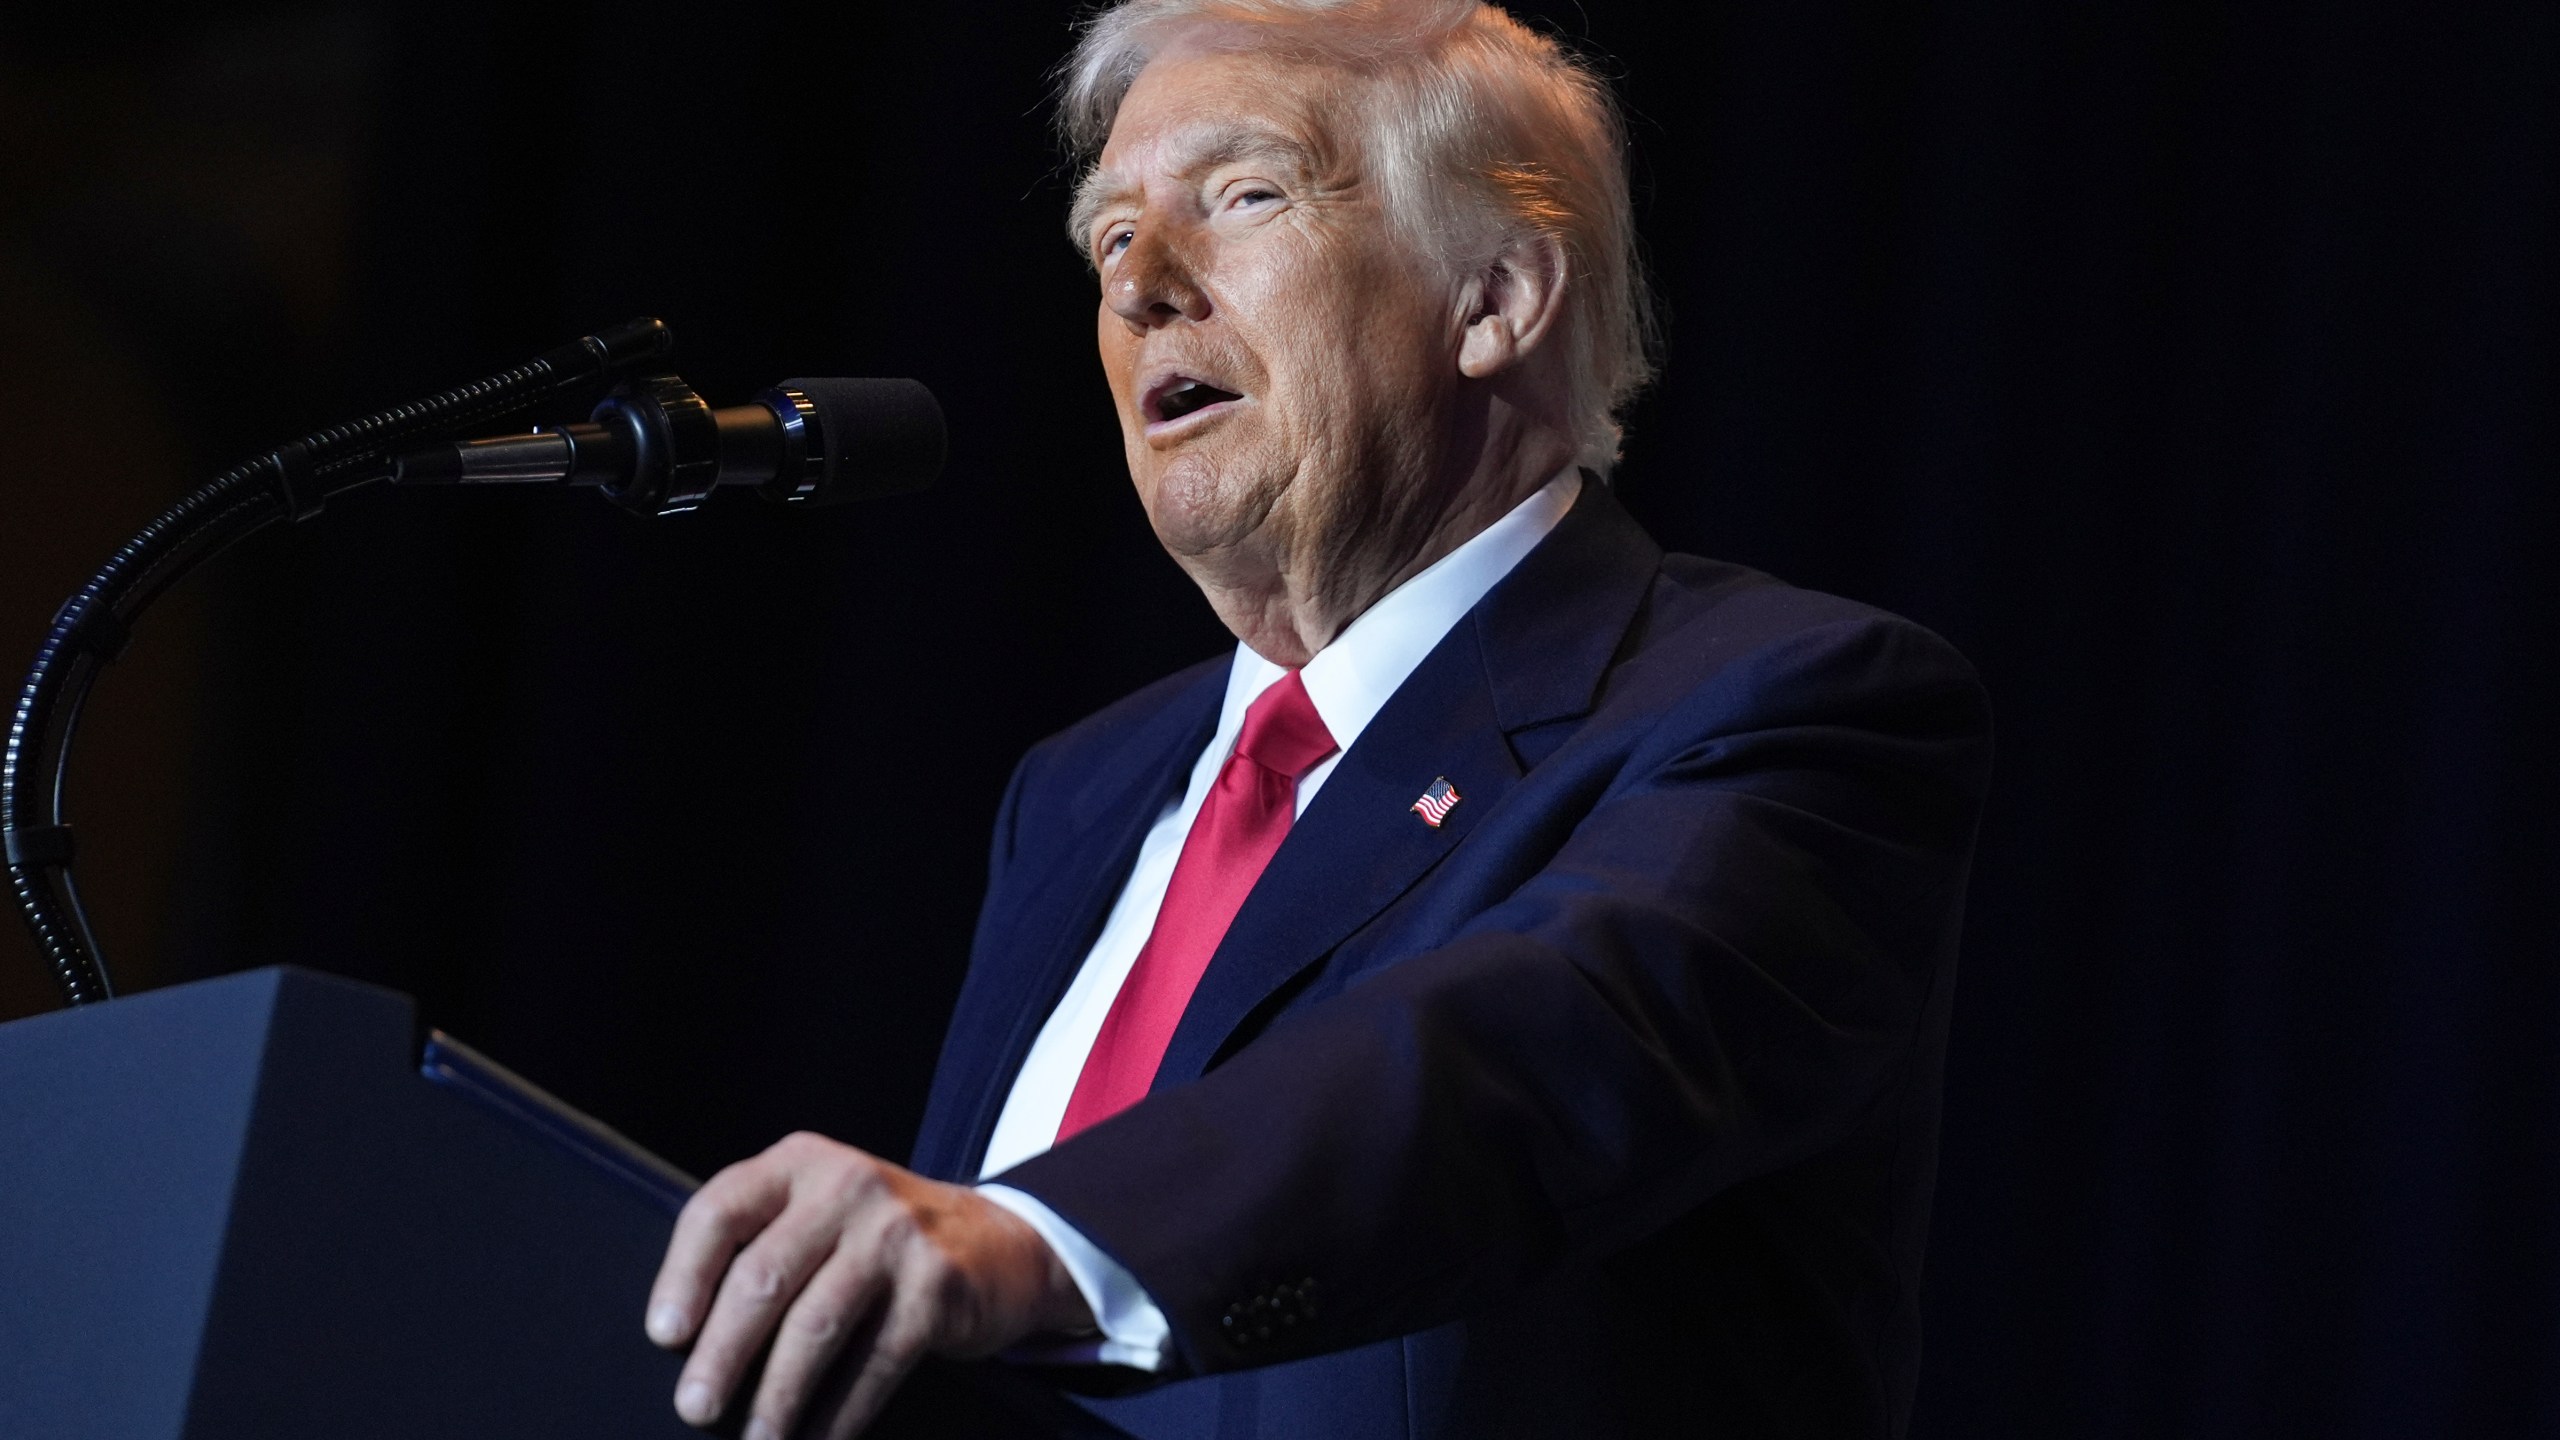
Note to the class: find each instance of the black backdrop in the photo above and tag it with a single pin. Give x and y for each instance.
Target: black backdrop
(2190, 367)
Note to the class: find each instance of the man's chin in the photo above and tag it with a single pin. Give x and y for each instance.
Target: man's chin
(1195, 537)
(1202, 508)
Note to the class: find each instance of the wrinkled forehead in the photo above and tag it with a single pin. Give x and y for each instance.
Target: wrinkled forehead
(1189, 113)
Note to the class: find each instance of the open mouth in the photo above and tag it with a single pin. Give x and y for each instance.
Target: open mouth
(1182, 396)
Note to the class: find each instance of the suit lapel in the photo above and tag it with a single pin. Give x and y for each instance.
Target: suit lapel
(1063, 906)
(1549, 631)
(1533, 651)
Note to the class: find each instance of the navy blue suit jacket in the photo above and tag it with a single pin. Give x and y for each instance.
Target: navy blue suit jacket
(1608, 1107)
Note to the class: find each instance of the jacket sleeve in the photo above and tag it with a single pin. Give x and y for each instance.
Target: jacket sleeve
(1722, 969)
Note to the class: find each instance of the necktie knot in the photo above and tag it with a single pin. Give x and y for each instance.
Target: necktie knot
(1282, 731)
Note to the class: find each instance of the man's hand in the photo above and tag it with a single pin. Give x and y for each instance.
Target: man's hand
(855, 1269)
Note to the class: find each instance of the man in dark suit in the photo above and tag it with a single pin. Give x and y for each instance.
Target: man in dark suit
(1505, 996)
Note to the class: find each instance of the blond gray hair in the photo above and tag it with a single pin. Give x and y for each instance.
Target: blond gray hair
(1483, 131)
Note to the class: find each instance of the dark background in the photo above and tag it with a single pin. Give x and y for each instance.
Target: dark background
(2190, 367)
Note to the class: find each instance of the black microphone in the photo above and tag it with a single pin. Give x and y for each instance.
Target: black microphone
(655, 447)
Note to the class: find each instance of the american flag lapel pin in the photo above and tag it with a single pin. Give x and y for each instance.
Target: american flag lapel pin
(1437, 802)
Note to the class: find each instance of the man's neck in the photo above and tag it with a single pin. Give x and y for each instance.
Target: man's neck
(1296, 607)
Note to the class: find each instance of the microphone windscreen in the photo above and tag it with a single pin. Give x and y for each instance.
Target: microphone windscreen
(879, 437)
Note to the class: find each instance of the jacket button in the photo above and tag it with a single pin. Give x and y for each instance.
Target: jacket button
(1250, 1322)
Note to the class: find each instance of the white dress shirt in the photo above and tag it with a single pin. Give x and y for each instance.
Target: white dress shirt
(1349, 680)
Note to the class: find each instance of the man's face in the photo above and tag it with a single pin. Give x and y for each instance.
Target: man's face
(1280, 357)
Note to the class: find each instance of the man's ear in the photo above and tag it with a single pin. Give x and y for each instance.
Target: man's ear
(1512, 305)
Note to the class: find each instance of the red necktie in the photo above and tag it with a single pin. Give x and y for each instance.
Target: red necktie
(1242, 822)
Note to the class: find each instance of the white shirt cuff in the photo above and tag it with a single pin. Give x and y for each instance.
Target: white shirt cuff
(1134, 1332)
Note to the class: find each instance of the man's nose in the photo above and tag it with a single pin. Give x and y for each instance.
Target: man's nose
(1153, 284)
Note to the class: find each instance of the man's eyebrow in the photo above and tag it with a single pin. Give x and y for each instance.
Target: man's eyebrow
(1203, 149)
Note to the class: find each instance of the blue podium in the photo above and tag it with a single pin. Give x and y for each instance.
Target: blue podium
(266, 1206)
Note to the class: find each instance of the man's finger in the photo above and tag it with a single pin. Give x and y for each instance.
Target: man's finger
(916, 1316)
(837, 1313)
(720, 1218)
(761, 1284)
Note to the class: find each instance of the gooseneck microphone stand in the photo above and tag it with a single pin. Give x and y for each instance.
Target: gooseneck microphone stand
(292, 481)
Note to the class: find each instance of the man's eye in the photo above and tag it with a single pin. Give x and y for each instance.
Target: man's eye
(1256, 196)
(1117, 241)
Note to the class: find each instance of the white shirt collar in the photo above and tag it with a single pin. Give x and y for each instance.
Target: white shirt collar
(1351, 679)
